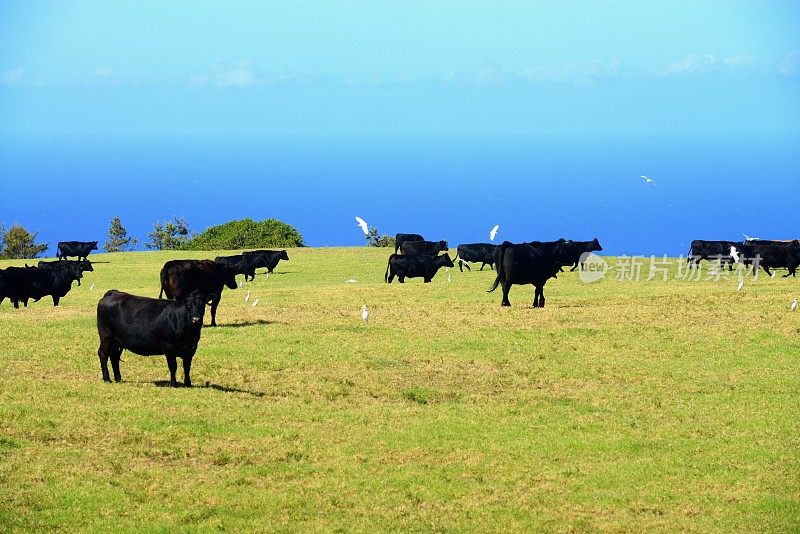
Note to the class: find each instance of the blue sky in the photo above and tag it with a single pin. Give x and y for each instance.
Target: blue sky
(397, 68)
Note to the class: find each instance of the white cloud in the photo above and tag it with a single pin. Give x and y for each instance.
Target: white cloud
(11, 76)
(699, 64)
(585, 73)
(790, 66)
(102, 72)
(232, 74)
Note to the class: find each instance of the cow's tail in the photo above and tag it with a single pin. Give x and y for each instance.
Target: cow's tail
(386, 276)
(163, 278)
(499, 269)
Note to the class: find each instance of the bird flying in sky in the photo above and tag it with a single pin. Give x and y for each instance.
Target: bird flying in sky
(647, 179)
(363, 224)
(493, 232)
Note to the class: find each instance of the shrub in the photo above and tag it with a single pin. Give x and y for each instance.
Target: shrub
(170, 235)
(246, 233)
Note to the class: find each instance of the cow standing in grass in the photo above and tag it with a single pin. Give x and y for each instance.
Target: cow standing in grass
(80, 249)
(181, 277)
(431, 248)
(399, 239)
(150, 327)
(524, 264)
(418, 266)
(483, 253)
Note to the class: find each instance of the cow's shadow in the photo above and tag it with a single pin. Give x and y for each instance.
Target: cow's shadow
(240, 325)
(209, 385)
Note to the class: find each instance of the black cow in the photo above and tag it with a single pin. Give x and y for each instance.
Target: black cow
(21, 284)
(430, 248)
(701, 249)
(399, 239)
(266, 258)
(476, 252)
(524, 264)
(150, 327)
(571, 251)
(235, 262)
(772, 255)
(181, 277)
(415, 267)
(81, 249)
(84, 265)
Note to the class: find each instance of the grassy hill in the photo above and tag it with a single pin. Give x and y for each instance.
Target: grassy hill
(621, 406)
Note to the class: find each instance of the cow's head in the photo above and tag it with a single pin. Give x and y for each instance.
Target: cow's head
(441, 246)
(283, 255)
(195, 304)
(86, 266)
(94, 245)
(594, 245)
(229, 273)
(445, 260)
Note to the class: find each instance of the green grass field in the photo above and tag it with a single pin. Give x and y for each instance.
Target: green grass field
(654, 406)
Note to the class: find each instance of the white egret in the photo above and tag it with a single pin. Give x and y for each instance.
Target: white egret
(493, 232)
(647, 179)
(364, 313)
(255, 303)
(793, 305)
(363, 224)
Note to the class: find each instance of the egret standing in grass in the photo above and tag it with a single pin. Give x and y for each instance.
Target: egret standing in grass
(734, 254)
(793, 305)
(364, 313)
(493, 232)
(247, 296)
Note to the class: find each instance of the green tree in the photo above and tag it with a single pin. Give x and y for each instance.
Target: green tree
(118, 239)
(375, 239)
(246, 233)
(20, 243)
(169, 236)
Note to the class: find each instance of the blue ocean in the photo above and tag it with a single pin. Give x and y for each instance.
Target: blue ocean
(579, 187)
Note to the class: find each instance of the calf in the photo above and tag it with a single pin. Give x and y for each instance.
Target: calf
(700, 249)
(524, 264)
(181, 277)
(415, 267)
(150, 327)
(399, 239)
(431, 248)
(81, 249)
(476, 252)
(83, 265)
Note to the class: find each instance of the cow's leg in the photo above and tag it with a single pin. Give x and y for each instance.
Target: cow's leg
(401, 279)
(103, 363)
(574, 267)
(427, 280)
(114, 355)
(535, 297)
(214, 304)
(16, 303)
(766, 270)
(187, 367)
(172, 363)
(506, 289)
(55, 300)
(391, 277)
(460, 266)
(108, 348)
